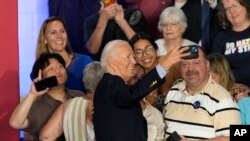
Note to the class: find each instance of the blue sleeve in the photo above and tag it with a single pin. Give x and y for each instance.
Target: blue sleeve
(88, 59)
(161, 72)
(244, 108)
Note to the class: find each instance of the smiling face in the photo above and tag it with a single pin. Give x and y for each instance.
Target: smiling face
(145, 54)
(124, 60)
(235, 13)
(195, 71)
(55, 69)
(55, 36)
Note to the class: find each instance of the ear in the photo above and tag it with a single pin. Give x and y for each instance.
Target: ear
(208, 65)
(112, 66)
(110, 61)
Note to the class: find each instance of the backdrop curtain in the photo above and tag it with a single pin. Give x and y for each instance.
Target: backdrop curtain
(9, 80)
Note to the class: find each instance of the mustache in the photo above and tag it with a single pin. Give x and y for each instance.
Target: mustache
(190, 73)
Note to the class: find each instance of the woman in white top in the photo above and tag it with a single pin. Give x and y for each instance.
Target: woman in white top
(172, 24)
(154, 118)
(155, 123)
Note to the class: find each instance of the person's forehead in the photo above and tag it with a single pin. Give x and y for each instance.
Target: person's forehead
(120, 50)
(124, 47)
(53, 61)
(228, 1)
(171, 18)
(54, 24)
(141, 44)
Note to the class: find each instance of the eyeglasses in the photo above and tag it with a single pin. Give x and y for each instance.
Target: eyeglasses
(147, 50)
(233, 7)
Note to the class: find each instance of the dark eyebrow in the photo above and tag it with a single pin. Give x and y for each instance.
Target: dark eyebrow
(148, 46)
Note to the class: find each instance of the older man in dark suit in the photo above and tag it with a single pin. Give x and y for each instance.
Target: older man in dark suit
(117, 112)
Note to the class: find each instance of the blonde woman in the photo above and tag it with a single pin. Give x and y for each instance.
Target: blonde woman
(222, 74)
(53, 38)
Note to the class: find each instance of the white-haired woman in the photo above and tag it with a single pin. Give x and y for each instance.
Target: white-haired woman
(172, 24)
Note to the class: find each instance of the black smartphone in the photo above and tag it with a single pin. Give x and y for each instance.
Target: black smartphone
(194, 50)
(46, 83)
(174, 137)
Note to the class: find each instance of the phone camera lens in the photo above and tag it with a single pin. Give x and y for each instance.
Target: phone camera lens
(194, 49)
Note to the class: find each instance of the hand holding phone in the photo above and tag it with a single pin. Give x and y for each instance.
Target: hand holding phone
(108, 2)
(46, 83)
(194, 52)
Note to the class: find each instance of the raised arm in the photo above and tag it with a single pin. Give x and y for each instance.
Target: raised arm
(54, 127)
(95, 40)
(123, 24)
(18, 119)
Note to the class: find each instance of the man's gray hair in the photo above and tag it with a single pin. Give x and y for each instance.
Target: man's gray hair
(110, 50)
(176, 13)
(92, 74)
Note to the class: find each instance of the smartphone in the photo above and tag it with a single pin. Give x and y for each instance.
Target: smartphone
(46, 83)
(194, 50)
(108, 2)
(174, 137)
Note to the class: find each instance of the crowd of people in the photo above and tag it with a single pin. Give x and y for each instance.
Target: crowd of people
(137, 82)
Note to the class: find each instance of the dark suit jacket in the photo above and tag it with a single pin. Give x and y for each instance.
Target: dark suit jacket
(117, 112)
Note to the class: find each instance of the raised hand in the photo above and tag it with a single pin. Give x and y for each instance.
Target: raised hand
(33, 90)
(119, 16)
(174, 56)
(107, 13)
